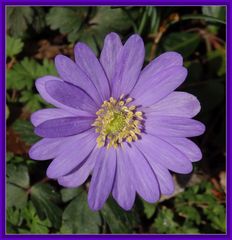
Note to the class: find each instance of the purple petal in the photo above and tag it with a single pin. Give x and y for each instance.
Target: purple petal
(164, 178)
(186, 146)
(46, 148)
(70, 95)
(102, 179)
(63, 127)
(86, 59)
(164, 61)
(179, 104)
(79, 176)
(72, 73)
(144, 179)
(72, 153)
(157, 150)
(109, 54)
(123, 189)
(40, 85)
(129, 64)
(173, 126)
(154, 89)
(43, 115)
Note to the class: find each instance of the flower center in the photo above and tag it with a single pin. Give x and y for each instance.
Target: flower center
(117, 122)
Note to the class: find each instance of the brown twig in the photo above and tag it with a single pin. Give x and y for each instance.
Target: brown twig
(174, 17)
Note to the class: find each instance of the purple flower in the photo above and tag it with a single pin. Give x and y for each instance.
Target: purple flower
(125, 126)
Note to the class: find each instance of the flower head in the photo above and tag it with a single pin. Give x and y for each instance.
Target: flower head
(124, 125)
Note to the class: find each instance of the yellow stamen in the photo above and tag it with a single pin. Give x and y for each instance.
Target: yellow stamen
(116, 122)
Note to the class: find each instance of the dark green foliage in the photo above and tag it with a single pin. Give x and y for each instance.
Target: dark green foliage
(196, 207)
(45, 199)
(78, 218)
(17, 183)
(36, 204)
(14, 46)
(22, 78)
(72, 19)
(25, 129)
(18, 19)
(182, 42)
(88, 25)
(118, 220)
(23, 74)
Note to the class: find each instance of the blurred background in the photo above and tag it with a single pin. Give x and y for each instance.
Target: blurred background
(35, 35)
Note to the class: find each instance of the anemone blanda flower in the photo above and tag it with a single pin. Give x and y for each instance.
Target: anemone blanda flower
(125, 126)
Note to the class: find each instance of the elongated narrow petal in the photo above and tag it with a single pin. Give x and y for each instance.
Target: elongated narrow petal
(40, 85)
(72, 153)
(43, 115)
(129, 64)
(102, 179)
(173, 126)
(186, 146)
(161, 63)
(79, 176)
(70, 72)
(109, 54)
(47, 148)
(63, 127)
(179, 104)
(164, 178)
(144, 179)
(123, 189)
(156, 149)
(70, 95)
(86, 59)
(154, 89)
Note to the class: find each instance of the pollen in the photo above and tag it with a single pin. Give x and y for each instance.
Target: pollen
(117, 122)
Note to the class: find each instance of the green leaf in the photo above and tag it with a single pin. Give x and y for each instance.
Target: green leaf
(17, 184)
(32, 101)
(154, 18)
(78, 218)
(18, 175)
(68, 194)
(14, 46)
(217, 215)
(215, 12)
(149, 209)
(14, 216)
(16, 196)
(164, 222)
(18, 19)
(202, 17)
(91, 26)
(39, 20)
(108, 20)
(72, 18)
(34, 223)
(45, 200)
(183, 42)
(26, 131)
(190, 213)
(11, 158)
(24, 73)
(119, 220)
(218, 12)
